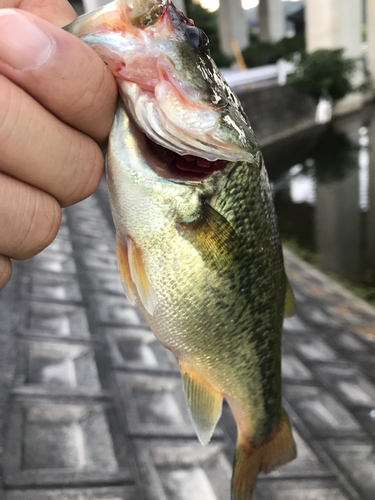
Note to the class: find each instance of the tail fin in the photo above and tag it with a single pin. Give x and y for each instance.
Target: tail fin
(248, 463)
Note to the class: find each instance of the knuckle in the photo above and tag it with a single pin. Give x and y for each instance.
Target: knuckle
(5, 271)
(47, 223)
(88, 173)
(42, 218)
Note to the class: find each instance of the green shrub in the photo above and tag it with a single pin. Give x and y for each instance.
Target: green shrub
(325, 72)
(262, 53)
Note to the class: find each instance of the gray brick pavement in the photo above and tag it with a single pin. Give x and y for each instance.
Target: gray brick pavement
(91, 405)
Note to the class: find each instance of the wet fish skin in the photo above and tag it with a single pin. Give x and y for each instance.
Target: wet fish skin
(203, 261)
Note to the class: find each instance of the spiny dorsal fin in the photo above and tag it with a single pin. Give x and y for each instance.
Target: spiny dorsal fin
(290, 303)
(138, 274)
(204, 403)
(125, 275)
(214, 237)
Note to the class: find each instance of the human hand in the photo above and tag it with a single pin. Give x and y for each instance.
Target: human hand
(57, 101)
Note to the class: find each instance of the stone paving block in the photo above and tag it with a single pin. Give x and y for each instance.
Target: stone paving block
(313, 348)
(358, 460)
(64, 231)
(292, 367)
(120, 493)
(59, 367)
(106, 282)
(55, 262)
(348, 343)
(155, 406)
(322, 412)
(295, 324)
(317, 315)
(55, 320)
(90, 224)
(105, 246)
(117, 311)
(61, 443)
(60, 244)
(99, 260)
(180, 470)
(367, 419)
(299, 490)
(51, 287)
(138, 349)
(352, 385)
(366, 362)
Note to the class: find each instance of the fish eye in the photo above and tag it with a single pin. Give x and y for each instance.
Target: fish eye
(197, 38)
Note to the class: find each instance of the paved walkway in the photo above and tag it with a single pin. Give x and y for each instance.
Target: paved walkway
(91, 405)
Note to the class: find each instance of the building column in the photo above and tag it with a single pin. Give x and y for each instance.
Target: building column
(232, 25)
(370, 14)
(89, 5)
(271, 20)
(332, 24)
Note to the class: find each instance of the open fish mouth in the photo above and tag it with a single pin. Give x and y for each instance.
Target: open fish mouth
(164, 162)
(187, 167)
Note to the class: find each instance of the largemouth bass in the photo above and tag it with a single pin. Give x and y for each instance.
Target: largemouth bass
(197, 240)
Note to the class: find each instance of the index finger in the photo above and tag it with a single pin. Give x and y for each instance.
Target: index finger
(60, 71)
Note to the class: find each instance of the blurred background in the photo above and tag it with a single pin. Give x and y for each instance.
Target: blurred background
(91, 405)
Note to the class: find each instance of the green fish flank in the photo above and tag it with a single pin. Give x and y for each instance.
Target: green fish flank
(198, 244)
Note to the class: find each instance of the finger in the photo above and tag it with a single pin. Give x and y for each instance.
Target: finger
(39, 149)
(60, 71)
(58, 12)
(29, 220)
(5, 270)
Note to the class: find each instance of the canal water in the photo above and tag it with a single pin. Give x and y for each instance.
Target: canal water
(326, 202)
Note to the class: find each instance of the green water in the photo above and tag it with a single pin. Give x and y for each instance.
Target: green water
(326, 203)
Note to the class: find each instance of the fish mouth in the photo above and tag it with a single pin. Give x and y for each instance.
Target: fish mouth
(184, 168)
(168, 164)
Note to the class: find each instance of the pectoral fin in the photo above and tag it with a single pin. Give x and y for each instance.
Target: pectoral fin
(290, 303)
(133, 275)
(139, 277)
(203, 401)
(214, 237)
(125, 275)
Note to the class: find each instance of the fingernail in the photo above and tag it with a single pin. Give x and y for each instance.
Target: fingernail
(23, 45)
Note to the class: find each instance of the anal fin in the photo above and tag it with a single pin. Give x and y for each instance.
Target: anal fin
(204, 402)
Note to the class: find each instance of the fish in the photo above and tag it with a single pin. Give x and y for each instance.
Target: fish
(198, 246)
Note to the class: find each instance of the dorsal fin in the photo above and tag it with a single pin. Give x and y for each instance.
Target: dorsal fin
(203, 401)
(290, 302)
(214, 237)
